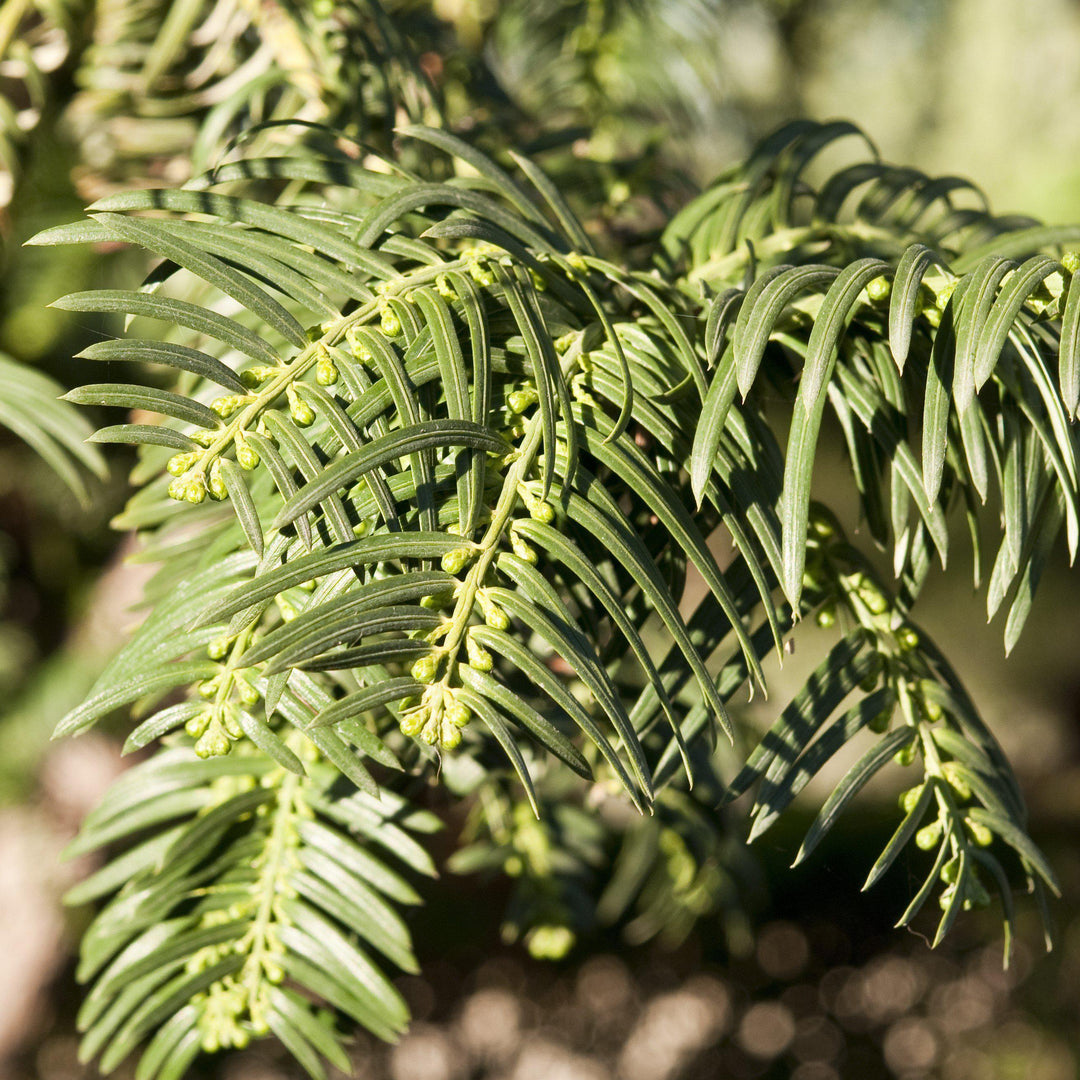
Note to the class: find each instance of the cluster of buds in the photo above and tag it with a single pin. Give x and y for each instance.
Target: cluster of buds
(193, 481)
(975, 894)
(437, 718)
(219, 1020)
(215, 727)
(550, 941)
(189, 485)
(234, 1008)
(930, 835)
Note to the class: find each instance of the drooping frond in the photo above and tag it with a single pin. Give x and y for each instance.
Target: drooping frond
(243, 889)
(940, 337)
(886, 677)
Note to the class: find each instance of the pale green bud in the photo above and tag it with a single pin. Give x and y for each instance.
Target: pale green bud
(445, 289)
(873, 598)
(449, 736)
(494, 615)
(208, 687)
(389, 323)
(229, 404)
(906, 755)
(956, 780)
(550, 942)
(480, 273)
(198, 723)
(254, 377)
(413, 723)
(458, 714)
(437, 601)
(944, 294)
(326, 372)
(820, 525)
(246, 457)
(301, 412)
(179, 464)
(232, 723)
(928, 836)
(519, 400)
(479, 657)
(425, 669)
(453, 562)
(542, 511)
(910, 798)
(247, 693)
(356, 345)
(879, 289)
(215, 743)
(217, 648)
(215, 484)
(521, 549)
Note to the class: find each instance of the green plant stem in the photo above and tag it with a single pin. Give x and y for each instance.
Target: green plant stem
(504, 508)
(724, 267)
(269, 886)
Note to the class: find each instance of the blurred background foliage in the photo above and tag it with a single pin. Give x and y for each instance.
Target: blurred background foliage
(787, 974)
